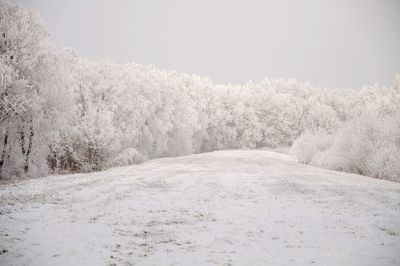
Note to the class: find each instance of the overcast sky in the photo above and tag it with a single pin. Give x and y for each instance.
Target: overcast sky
(340, 43)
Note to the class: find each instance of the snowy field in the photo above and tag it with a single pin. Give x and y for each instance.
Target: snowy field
(237, 207)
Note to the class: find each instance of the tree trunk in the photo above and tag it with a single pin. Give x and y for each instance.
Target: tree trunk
(3, 154)
(22, 140)
(26, 151)
(30, 144)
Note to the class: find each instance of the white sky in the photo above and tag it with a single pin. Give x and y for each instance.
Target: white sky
(342, 43)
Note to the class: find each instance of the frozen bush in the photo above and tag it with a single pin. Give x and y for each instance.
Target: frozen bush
(127, 157)
(310, 145)
(367, 145)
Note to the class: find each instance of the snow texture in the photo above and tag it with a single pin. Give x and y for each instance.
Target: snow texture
(238, 207)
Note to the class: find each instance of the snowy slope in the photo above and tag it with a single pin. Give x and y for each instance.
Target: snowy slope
(222, 208)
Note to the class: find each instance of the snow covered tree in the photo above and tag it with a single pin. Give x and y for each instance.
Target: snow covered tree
(21, 47)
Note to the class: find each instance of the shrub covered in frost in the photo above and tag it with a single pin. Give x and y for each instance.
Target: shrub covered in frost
(368, 144)
(127, 157)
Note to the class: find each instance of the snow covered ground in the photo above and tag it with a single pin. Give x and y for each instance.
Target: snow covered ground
(242, 207)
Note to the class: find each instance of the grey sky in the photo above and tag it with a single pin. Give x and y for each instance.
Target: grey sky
(330, 43)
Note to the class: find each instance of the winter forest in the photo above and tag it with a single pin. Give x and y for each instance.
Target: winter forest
(61, 113)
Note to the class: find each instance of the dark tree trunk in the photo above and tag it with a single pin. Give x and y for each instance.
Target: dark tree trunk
(22, 140)
(3, 154)
(30, 144)
(27, 151)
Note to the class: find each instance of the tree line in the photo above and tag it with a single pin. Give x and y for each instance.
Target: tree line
(62, 113)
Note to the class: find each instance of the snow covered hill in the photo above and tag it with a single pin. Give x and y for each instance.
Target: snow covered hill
(241, 207)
